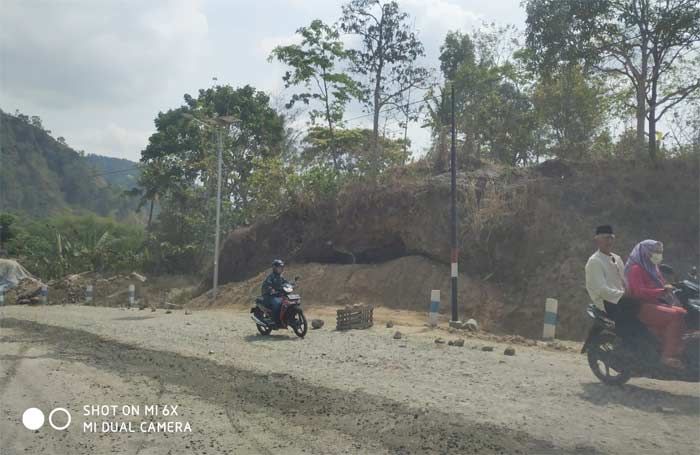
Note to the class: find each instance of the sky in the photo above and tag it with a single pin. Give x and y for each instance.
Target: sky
(98, 72)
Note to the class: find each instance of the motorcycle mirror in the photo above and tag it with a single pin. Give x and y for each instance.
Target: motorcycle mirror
(666, 269)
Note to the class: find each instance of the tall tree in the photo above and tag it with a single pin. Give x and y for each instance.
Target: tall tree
(494, 115)
(179, 165)
(314, 66)
(572, 110)
(387, 58)
(643, 41)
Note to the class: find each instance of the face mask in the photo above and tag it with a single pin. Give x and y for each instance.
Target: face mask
(656, 258)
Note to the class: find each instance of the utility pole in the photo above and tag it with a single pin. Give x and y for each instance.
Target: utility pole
(218, 216)
(453, 214)
(218, 123)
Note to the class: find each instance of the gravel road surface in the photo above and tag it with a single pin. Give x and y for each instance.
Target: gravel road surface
(357, 392)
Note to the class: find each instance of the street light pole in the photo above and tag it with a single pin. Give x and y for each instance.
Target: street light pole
(454, 259)
(218, 123)
(218, 216)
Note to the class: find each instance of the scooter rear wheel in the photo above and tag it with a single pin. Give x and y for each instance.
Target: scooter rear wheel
(599, 353)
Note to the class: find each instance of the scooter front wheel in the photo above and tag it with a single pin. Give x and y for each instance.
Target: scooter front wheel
(264, 330)
(298, 323)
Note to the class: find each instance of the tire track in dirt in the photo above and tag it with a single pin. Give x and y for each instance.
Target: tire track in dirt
(369, 421)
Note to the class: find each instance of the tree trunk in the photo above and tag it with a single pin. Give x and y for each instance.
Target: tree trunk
(334, 148)
(652, 134)
(642, 80)
(150, 215)
(641, 117)
(375, 124)
(377, 95)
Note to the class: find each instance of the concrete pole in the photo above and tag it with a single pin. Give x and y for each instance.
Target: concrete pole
(434, 307)
(453, 215)
(215, 286)
(550, 319)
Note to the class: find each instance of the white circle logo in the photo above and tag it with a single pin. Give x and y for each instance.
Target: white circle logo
(33, 418)
(51, 419)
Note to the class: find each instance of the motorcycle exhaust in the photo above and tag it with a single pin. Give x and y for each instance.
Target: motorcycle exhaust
(257, 321)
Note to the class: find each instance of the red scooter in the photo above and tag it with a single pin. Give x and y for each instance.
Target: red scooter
(291, 314)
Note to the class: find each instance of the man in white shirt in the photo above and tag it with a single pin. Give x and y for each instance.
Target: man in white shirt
(605, 282)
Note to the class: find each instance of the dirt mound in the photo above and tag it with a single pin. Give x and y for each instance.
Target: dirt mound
(403, 283)
(529, 231)
(112, 291)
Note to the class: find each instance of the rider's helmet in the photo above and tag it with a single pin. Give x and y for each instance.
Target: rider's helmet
(278, 263)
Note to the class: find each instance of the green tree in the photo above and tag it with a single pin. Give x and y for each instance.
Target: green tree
(354, 146)
(649, 43)
(494, 114)
(314, 66)
(179, 169)
(571, 108)
(387, 59)
(7, 232)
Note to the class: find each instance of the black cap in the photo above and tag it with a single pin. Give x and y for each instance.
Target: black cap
(604, 229)
(278, 263)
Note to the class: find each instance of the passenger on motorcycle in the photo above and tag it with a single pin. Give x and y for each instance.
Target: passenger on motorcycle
(646, 283)
(605, 281)
(271, 288)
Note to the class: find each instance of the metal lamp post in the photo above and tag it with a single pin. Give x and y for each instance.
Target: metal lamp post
(218, 123)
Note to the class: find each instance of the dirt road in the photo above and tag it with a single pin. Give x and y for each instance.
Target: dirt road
(360, 392)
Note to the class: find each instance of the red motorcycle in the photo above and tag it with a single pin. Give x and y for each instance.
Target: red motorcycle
(291, 314)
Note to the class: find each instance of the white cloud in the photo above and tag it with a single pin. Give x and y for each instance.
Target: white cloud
(113, 140)
(440, 16)
(115, 51)
(267, 44)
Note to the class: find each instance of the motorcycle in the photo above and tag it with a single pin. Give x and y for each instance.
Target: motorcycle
(615, 358)
(291, 314)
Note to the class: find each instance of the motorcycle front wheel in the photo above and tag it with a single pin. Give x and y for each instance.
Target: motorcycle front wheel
(263, 330)
(599, 358)
(297, 321)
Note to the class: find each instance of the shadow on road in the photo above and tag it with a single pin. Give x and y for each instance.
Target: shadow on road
(257, 338)
(641, 398)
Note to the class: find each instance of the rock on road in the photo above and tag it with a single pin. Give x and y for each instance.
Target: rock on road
(358, 392)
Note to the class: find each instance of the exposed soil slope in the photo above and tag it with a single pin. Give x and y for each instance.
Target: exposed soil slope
(530, 234)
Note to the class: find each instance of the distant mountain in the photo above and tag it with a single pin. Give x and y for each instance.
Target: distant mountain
(40, 175)
(118, 172)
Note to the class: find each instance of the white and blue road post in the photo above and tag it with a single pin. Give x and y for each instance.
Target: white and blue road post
(132, 291)
(88, 295)
(44, 294)
(434, 307)
(550, 319)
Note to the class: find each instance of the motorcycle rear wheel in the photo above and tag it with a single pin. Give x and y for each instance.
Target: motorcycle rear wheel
(598, 353)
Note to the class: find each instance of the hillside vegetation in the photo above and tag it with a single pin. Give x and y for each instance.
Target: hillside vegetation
(41, 176)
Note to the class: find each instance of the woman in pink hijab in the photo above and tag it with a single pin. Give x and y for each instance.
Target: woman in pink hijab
(646, 284)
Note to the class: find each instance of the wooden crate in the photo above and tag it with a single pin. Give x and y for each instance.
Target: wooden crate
(355, 317)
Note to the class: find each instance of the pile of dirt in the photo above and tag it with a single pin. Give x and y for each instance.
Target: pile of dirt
(403, 284)
(528, 231)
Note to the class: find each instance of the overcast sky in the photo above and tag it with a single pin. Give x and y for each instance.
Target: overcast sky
(98, 71)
